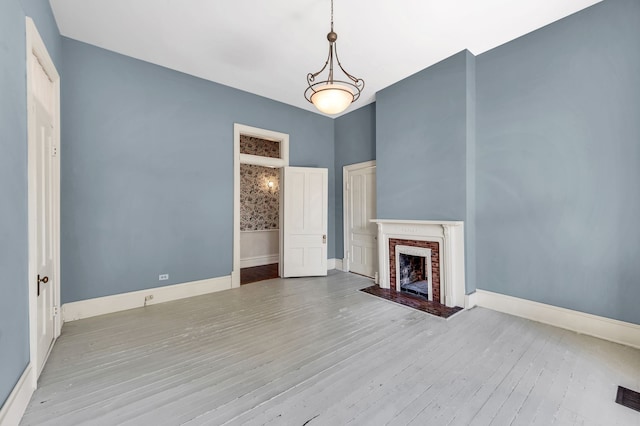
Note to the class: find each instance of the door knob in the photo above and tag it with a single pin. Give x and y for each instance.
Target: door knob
(324, 239)
(42, 280)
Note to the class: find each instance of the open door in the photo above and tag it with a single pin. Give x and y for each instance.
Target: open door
(305, 222)
(361, 235)
(44, 282)
(43, 116)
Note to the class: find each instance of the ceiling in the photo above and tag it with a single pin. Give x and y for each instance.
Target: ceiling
(267, 47)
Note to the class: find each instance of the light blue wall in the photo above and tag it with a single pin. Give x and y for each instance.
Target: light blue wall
(425, 148)
(147, 171)
(558, 163)
(470, 218)
(355, 142)
(421, 144)
(14, 305)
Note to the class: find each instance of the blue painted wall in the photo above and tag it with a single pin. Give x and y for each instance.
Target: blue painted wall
(421, 144)
(355, 142)
(147, 171)
(14, 304)
(470, 155)
(558, 163)
(425, 148)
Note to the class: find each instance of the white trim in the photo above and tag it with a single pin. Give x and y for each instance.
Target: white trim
(258, 160)
(35, 45)
(136, 299)
(616, 331)
(16, 404)
(336, 264)
(470, 300)
(238, 158)
(450, 236)
(345, 207)
(415, 251)
(250, 262)
(419, 222)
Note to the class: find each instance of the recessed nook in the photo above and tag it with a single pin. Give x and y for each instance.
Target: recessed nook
(422, 265)
(413, 270)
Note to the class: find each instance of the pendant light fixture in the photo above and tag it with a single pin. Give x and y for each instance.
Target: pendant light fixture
(331, 95)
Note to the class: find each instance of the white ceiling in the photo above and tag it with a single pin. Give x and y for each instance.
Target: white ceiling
(267, 47)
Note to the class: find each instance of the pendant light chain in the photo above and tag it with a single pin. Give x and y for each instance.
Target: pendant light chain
(331, 15)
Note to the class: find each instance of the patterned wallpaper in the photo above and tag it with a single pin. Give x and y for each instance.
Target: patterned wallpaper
(261, 147)
(259, 204)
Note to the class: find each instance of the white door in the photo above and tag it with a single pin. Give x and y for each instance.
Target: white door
(44, 152)
(360, 208)
(305, 222)
(43, 117)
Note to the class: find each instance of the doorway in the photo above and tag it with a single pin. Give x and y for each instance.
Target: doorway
(259, 212)
(360, 234)
(43, 157)
(260, 156)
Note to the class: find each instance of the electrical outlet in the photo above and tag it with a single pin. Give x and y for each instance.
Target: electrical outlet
(163, 277)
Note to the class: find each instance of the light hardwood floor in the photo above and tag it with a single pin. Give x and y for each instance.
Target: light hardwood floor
(316, 351)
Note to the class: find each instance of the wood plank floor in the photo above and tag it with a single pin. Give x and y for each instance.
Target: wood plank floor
(317, 351)
(258, 273)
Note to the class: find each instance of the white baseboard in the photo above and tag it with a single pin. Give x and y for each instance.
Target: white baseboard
(250, 262)
(136, 299)
(470, 300)
(334, 264)
(16, 404)
(605, 328)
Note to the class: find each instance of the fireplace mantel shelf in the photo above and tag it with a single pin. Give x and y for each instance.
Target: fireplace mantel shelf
(420, 222)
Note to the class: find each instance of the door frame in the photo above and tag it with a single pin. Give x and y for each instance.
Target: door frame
(238, 158)
(346, 211)
(35, 46)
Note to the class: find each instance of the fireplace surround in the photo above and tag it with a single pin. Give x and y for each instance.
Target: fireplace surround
(444, 239)
(413, 269)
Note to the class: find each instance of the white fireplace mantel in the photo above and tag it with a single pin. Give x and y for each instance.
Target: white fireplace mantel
(450, 235)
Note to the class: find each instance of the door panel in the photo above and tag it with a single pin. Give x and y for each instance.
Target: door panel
(362, 233)
(44, 231)
(305, 222)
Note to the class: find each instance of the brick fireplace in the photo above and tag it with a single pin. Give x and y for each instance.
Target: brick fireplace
(445, 242)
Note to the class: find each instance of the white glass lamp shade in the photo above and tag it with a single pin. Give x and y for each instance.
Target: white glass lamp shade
(332, 98)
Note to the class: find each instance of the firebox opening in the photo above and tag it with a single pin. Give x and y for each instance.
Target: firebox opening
(413, 275)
